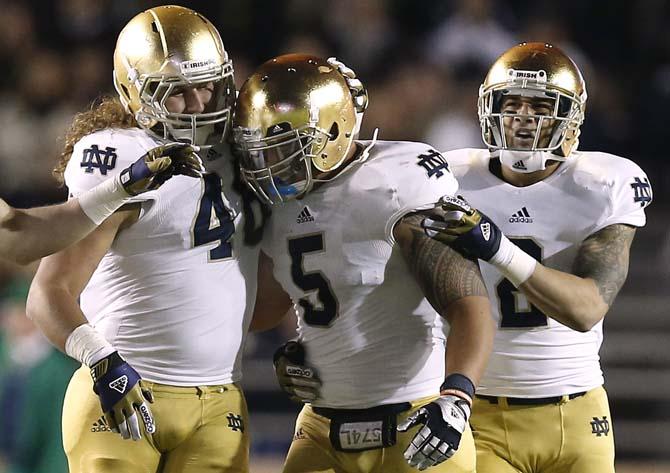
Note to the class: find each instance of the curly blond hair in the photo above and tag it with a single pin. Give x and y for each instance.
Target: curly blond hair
(106, 112)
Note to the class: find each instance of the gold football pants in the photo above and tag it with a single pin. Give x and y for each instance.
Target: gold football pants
(311, 450)
(198, 430)
(572, 436)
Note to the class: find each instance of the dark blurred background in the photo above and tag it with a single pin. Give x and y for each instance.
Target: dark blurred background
(423, 62)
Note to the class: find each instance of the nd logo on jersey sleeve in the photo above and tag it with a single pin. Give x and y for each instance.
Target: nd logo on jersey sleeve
(419, 176)
(101, 159)
(642, 189)
(434, 163)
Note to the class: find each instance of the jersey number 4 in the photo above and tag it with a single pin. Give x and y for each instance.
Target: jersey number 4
(205, 228)
(312, 281)
(513, 316)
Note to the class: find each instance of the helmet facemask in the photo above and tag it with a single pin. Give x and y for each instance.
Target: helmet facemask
(278, 167)
(203, 129)
(554, 132)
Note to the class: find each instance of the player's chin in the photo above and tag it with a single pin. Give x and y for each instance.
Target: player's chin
(522, 143)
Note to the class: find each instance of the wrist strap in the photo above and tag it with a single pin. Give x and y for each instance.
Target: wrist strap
(86, 345)
(103, 200)
(514, 263)
(105, 365)
(459, 385)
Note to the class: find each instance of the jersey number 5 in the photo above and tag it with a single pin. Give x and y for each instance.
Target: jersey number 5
(204, 231)
(312, 281)
(511, 315)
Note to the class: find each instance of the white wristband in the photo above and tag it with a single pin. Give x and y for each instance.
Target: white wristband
(514, 263)
(87, 345)
(103, 200)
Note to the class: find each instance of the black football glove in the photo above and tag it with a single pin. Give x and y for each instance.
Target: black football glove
(299, 381)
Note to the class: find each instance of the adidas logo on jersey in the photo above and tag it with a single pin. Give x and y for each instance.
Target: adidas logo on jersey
(304, 216)
(519, 165)
(522, 216)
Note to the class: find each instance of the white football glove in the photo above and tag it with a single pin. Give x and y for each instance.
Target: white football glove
(444, 421)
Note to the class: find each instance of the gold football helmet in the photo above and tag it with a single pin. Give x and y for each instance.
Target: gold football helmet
(294, 114)
(162, 50)
(534, 70)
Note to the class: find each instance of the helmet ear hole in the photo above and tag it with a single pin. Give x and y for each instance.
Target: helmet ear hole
(154, 27)
(334, 132)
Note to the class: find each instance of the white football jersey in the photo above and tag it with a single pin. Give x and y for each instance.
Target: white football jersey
(174, 292)
(367, 328)
(533, 355)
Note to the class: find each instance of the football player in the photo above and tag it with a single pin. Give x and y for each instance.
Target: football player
(29, 234)
(556, 260)
(374, 295)
(156, 302)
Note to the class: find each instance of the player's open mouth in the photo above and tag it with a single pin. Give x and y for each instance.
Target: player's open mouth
(524, 134)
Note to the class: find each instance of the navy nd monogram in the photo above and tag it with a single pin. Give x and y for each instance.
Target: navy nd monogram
(235, 422)
(642, 190)
(434, 163)
(94, 157)
(600, 426)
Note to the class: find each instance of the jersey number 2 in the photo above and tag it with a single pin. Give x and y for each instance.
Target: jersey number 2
(203, 231)
(312, 281)
(511, 315)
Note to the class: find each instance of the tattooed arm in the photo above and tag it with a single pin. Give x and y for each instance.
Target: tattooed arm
(455, 288)
(581, 300)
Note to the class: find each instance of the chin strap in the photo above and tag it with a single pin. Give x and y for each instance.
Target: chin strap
(365, 154)
(359, 122)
